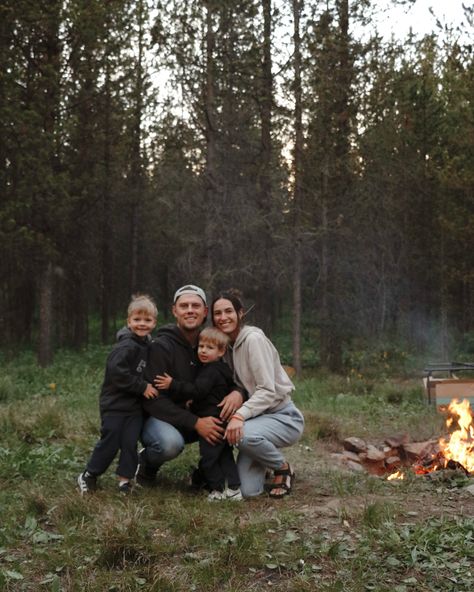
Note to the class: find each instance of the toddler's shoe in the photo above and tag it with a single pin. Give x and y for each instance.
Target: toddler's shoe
(216, 496)
(233, 494)
(86, 482)
(125, 487)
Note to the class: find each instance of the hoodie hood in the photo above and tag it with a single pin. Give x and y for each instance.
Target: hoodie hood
(244, 333)
(174, 333)
(126, 333)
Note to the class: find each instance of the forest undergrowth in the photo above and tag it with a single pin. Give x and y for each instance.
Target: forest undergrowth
(337, 531)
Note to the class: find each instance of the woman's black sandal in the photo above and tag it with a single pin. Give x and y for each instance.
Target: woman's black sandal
(285, 485)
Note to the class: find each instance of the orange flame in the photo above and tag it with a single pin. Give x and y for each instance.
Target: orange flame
(460, 446)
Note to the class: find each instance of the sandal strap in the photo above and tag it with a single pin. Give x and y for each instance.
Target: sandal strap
(288, 471)
(286, 483)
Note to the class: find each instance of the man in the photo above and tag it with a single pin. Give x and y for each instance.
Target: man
(173, 351)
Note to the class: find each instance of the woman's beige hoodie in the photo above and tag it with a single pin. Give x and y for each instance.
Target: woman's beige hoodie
(258, 369)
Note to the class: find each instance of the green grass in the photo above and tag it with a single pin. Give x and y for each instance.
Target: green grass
(337, 531)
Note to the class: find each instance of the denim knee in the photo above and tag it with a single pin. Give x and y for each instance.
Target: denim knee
(159, 452)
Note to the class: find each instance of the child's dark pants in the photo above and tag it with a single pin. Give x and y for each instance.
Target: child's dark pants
(117, 432)
(218, 465)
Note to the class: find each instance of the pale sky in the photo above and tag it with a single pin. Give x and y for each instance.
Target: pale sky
(399, 20)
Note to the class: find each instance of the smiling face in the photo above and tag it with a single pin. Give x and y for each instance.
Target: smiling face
(141, 323)
(225, 317)
(189, 311)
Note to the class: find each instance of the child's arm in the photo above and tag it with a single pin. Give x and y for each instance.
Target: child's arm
(181, 390)
(150, 392)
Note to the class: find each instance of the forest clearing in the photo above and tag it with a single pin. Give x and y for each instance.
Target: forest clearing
(286, 149)
(338, 530)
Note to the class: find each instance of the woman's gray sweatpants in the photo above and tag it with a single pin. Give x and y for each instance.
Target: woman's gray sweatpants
(259, 449)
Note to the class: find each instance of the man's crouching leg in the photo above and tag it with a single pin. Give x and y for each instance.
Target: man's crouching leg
(162, 442)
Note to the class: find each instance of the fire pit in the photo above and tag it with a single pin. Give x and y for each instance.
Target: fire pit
(399, 455)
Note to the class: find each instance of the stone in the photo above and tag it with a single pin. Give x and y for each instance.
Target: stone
(355, 444)
(374, 454)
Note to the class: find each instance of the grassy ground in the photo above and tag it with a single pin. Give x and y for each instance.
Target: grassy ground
(338, 531)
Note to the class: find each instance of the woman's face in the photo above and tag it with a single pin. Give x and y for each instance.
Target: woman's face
(226, 318)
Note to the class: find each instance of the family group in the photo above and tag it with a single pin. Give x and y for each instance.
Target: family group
(221, 385)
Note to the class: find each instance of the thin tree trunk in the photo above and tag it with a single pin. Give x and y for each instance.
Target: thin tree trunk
(297, 194)
(105, 284)
(266, 99)
(45, 342)
(136, 167)
(211, 184)
(50, 84)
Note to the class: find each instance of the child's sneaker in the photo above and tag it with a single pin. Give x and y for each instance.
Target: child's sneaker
(233, 494)
(86, 482)
(216, 496)
(125, 487)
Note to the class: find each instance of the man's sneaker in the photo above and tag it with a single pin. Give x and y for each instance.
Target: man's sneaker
(233, 494)
(125, 487)
(216, 496)
(86, 482)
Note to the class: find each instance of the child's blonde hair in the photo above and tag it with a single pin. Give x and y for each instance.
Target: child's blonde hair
(142, 303)
(214, 336)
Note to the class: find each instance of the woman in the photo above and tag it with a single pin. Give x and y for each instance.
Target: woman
(268, 420)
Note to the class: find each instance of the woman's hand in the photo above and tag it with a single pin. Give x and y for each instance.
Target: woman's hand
(163, 382)
(230, 403)
(235, 431)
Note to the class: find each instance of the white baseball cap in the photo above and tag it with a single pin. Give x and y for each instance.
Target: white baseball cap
(190, 289)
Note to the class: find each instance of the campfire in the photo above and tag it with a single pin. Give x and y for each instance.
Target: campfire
(456, 451)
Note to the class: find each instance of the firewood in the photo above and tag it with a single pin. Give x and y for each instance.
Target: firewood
(375, 467)
(392, 462)
(414, 450)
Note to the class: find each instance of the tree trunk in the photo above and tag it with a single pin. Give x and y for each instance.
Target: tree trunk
(45, 342)
(297, 189)
(211, 173)
(105, 259)
(264, 188)
(137, 180)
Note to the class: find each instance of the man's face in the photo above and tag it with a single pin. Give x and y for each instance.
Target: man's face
(189, 311)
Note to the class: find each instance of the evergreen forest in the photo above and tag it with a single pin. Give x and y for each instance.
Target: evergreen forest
(287, 149)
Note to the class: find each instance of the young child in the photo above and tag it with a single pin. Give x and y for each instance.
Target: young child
(213, 382)
(121, 399)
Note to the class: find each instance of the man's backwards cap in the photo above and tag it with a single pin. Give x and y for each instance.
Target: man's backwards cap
(190, 289)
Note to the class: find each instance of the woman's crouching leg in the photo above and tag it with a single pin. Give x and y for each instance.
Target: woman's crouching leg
(251, 474)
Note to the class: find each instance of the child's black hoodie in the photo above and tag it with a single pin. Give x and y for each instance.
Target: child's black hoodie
(124, 381)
